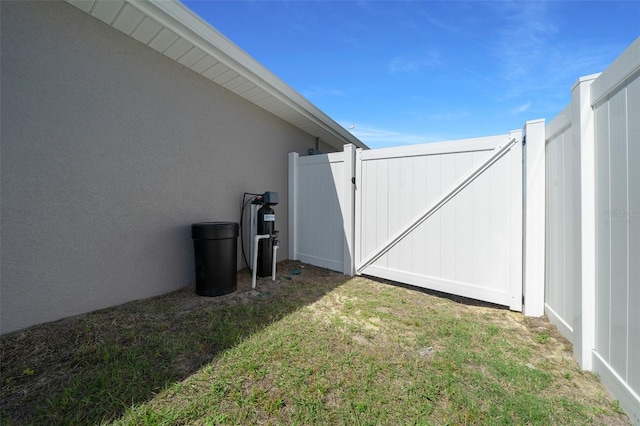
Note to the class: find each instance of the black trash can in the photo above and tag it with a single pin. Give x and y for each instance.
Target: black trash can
(215, 246)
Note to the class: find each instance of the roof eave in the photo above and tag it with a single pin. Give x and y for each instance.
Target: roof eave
(278, 97)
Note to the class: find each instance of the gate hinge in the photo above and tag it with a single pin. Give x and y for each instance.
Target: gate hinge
(353, 180)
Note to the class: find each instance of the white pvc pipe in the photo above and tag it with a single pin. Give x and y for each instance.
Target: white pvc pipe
(255, 259)
(273, 267)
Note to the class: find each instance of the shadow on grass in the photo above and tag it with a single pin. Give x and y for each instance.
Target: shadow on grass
(91, 368)
(449, 296)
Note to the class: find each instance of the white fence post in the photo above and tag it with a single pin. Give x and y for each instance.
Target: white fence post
(348, 208)
(517, 225)
(293, 208)
(582, 118)
(357, 192)
(534, 218)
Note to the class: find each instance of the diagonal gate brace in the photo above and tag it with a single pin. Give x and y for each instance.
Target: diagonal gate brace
(494, 156)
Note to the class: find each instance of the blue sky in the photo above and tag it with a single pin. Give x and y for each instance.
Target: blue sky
(406, 72)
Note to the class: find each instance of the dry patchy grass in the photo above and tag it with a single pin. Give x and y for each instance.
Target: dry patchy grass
(310, 348)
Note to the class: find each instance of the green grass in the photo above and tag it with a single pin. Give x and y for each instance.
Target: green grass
(321, 352)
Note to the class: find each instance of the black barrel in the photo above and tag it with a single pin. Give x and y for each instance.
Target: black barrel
(215, 246)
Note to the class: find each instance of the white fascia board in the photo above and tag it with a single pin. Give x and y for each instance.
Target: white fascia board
(188, 25)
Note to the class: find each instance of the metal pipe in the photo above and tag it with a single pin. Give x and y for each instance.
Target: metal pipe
(255, 259)
(273, 267)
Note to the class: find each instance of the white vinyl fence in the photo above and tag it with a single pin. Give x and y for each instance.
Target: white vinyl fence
(593, 226)
(321, 209)
(563, 231)
(562, 256)
(444, 216)
(615, 97)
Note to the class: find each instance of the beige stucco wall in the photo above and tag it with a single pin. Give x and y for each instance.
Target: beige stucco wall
(110, 151)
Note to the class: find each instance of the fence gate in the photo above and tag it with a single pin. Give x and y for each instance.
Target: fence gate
(444, 216)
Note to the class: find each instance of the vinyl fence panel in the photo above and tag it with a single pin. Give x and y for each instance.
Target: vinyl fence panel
(563, 223)
(615, 98)
(316, 193)
(471, 245)
(593, 226)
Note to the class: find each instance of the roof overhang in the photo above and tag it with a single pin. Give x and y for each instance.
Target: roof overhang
(170, 28)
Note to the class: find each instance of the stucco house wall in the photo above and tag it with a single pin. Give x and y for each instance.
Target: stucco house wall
(110, 151)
